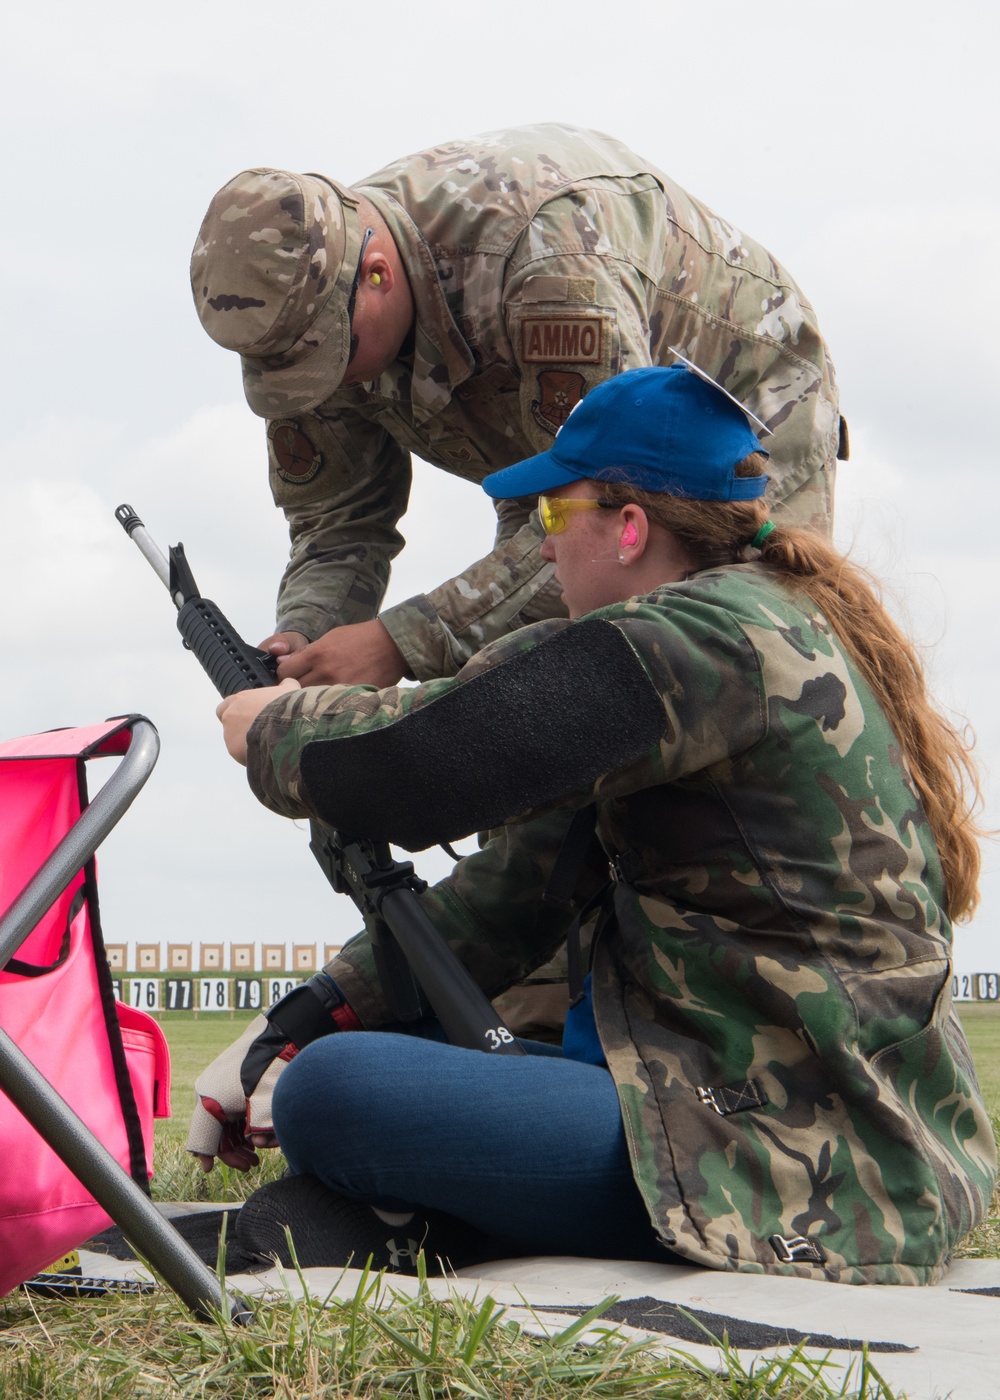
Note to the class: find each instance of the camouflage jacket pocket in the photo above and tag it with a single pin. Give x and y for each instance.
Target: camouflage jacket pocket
(919, 1047)
(895, 1004)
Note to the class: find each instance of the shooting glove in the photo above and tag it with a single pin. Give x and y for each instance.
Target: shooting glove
(233, 1095)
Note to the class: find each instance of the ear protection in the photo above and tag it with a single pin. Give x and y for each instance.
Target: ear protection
(629, 535)
(375, 280)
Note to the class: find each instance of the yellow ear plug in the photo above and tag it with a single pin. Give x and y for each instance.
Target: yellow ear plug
(375, 280)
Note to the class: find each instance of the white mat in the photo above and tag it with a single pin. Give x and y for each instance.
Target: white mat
(929, 1343)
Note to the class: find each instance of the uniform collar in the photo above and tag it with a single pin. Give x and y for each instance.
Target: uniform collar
(441, 358)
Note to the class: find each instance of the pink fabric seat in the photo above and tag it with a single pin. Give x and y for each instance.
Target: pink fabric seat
(108, 1061)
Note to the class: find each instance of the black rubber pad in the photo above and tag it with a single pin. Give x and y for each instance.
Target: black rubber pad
(694, 1325)
(542, 725)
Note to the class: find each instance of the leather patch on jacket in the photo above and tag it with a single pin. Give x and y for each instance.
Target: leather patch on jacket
(732, 1098)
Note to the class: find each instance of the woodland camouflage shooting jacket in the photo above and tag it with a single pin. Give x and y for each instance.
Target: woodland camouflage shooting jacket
(773, 993)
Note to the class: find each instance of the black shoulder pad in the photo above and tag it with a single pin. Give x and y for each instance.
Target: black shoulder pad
(546, 723)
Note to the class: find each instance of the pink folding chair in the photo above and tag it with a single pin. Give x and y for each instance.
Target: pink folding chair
(81, 1076)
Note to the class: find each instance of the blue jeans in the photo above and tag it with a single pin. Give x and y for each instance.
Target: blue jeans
(529, 1150)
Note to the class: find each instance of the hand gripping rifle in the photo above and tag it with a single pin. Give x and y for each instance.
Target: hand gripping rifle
(408, 949)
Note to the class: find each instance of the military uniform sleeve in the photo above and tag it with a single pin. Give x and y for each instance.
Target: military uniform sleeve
(575, 302)
(343, 484)
(616, 702)
(603, 282)
(438, 632)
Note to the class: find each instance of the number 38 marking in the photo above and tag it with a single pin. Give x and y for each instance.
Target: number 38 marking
(498, 1037)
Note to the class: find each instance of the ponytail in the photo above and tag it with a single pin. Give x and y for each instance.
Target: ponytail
(938, 754)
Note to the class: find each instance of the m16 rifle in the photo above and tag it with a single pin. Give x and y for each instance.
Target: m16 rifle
(410, 954)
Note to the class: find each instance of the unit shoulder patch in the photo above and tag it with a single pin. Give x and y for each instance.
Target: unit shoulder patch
(296, 460)
(559, 393)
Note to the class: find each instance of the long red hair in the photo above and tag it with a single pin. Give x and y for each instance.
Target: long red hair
(937, 752)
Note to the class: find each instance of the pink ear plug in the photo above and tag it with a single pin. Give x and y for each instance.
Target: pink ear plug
(629, 535)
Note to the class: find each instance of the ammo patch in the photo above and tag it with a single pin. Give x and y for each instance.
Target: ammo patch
(296, 460)
(560, 392)
(561, 340)
(544, 724)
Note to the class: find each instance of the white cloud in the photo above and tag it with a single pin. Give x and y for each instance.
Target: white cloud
(911, 319)
(859, 150)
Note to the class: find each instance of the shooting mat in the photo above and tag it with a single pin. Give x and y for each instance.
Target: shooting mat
(928, 1343)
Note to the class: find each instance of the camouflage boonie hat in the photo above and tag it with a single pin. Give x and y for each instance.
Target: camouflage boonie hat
(271, 273)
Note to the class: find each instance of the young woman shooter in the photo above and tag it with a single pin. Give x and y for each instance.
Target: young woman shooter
(764, 1072)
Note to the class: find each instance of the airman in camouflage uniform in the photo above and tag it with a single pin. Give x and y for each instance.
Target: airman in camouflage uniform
(541, 260)
(773, 993)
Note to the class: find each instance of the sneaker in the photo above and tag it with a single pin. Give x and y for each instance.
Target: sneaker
(330, 1231)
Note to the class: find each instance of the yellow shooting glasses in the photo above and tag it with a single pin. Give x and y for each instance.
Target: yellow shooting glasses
(554, 511)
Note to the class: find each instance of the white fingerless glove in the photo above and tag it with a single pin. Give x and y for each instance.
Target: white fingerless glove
(233, 1095)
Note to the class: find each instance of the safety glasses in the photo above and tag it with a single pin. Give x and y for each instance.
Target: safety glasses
(368, 235)
(554, 511)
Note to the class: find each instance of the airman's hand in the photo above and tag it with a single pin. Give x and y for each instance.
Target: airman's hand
(284, 643)
(359, 653)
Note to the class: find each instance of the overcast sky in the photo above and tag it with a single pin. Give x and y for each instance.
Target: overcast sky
(857, 142)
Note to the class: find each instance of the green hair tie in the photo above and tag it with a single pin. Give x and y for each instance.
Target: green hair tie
(762, 534)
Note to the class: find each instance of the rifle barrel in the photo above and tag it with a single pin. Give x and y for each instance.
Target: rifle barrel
(141, 537)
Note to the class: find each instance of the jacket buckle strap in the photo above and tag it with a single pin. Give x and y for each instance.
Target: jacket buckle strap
(796, 1250)
(625, 867)
(732, 1098)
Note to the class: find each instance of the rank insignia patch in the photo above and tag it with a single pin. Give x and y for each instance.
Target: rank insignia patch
(296, 460)
(560, 391)
(561, 340)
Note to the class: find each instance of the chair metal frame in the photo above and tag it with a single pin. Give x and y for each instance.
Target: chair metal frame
(47, 1112)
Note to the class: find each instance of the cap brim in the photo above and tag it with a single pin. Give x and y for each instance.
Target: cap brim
(296, 388)
(529, 478)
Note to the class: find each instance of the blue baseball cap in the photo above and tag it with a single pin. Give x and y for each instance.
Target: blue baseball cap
(669, 430)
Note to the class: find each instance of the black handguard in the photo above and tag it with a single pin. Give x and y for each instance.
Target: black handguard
(230, 664)
(305, 1014)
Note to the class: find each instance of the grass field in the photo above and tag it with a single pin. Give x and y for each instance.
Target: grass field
(981, 1020)
(132, 1349)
